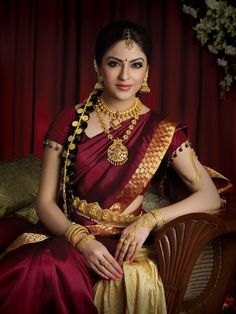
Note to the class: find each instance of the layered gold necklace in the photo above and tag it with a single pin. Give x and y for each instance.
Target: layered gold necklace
(117, 153)
(117, 117)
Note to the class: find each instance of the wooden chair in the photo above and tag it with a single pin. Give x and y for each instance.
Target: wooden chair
(197, 259)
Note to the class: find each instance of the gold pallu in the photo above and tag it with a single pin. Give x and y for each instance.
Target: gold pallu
(139, 291)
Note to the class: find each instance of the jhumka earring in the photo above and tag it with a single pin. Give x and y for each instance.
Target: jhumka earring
(99, 85)
(145, 88)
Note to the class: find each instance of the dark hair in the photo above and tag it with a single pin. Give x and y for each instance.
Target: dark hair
(117, 31)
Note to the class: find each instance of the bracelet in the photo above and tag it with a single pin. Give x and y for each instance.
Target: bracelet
(146, 221)
(82, 243)
(73, 231)
(160, 221)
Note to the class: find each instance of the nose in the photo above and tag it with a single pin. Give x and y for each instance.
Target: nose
(124, 72)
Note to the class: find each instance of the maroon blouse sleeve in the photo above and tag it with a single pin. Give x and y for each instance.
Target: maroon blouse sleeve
(180, 136)
(59, 128)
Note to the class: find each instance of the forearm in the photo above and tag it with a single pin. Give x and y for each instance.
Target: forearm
(198, 201)
(52, 217)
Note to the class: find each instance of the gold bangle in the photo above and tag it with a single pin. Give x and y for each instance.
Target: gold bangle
(82, 243)
(73, 231)
(160, 221)
(146, 221)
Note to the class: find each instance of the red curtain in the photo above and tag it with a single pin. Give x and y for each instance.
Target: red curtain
(46, 64)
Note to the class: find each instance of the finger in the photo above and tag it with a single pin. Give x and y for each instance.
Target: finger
(119, 245)
(101, 274)
(123, 251)
(114, 264)
(138, 247)
(131, 250)
(107, 271)
(118, 248)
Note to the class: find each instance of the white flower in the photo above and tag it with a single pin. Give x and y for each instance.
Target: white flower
(222, 62)
(230, 50)
(212, 4)
(188, 10)
(212, 49)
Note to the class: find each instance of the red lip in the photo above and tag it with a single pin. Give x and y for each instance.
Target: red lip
(123, 87)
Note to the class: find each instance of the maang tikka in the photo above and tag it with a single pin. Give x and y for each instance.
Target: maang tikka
(99, 85)
(145, 88)
(128, 41)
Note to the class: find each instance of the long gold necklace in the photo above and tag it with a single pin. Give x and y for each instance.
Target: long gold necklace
(117, 117)
(117, 153)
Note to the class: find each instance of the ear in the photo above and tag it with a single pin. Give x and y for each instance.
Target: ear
(95, 66)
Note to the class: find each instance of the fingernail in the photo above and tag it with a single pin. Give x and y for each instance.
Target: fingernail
(113, 278)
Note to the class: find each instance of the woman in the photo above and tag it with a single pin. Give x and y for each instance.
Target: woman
(100, 157)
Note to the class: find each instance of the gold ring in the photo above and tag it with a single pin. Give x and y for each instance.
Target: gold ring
(126, 242)
(133, 243)
(122, 240)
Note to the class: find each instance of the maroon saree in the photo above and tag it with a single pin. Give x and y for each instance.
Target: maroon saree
(45, 274)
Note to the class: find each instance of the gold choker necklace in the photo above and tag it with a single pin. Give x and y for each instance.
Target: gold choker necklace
(117, 117)
(117, 153)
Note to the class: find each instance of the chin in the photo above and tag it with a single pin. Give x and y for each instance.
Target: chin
(124, 95)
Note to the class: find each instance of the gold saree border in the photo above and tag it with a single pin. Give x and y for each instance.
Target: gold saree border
(150, 163)
(23, 239)
(225, 186)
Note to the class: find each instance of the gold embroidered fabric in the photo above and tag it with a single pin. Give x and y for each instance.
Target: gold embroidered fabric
(225, 185)
(140, 290)
(23, 239)
(150, 163)
(103, 216)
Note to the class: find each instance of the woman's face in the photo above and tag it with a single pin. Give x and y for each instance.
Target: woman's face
(123, 71)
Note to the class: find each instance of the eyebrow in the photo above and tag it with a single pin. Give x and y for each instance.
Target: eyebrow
(140, 58)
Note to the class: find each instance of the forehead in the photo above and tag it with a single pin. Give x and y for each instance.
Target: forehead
(119, 50)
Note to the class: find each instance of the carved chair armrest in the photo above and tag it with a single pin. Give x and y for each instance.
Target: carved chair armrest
(179, 244)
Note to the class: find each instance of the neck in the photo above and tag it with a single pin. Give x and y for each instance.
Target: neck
(118, 104)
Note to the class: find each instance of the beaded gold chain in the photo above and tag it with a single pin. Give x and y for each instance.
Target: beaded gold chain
(119, 116)
(117, 153)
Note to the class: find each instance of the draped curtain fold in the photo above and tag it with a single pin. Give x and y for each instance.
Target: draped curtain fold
(46, 65)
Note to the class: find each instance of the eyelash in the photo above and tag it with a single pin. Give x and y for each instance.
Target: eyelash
(136, 65)
(113, 64)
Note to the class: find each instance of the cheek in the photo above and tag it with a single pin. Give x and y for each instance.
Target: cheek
(108, 75)
(140, 78)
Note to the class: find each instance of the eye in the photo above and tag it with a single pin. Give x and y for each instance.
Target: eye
(137, 65)
(113, 64)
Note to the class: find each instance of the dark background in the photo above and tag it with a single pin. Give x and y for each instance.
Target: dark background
(46, 64)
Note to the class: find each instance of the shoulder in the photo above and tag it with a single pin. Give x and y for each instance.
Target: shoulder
(60, 126)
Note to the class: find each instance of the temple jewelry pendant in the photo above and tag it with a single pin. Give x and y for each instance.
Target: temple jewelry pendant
(117, 153)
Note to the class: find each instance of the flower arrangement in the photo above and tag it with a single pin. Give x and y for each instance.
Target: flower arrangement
(216, 28)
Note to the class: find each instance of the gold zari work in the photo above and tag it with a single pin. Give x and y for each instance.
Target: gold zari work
(26, 238)
(140, 290)
(149, 164)
(104, 216)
